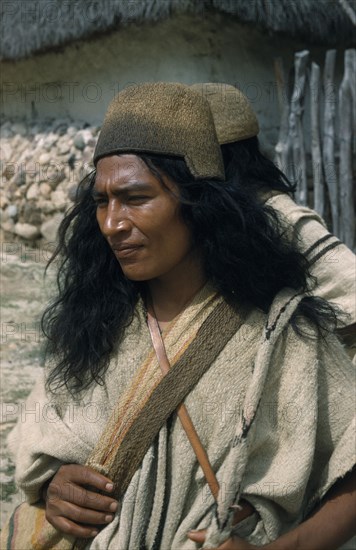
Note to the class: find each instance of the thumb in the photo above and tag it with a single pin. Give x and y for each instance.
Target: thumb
(197, 536)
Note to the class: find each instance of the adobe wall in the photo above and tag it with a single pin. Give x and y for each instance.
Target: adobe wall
(79, 80)
(52, 104)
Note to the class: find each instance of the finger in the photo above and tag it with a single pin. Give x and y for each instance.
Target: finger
(75, 494)
(83, 475)
(229, 544)
(197, 536)
(80, 515)
(232, 544)
(68, 527)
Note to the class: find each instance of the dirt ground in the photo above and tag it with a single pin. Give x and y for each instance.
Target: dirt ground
(24, 294)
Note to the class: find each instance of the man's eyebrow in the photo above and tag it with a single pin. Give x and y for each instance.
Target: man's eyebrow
(130, 186)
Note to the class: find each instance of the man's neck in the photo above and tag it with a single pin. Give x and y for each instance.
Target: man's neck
(171, 295)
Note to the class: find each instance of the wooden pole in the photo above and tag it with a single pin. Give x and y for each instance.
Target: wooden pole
(347, 212)
(296, 128)
(283, 147)
(318, 180)
(348, 10)
(329, 138)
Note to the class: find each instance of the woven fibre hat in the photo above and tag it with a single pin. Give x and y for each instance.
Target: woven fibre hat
(166, 119)
(233, 115)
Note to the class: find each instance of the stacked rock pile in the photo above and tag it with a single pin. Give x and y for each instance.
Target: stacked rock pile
(41, 165)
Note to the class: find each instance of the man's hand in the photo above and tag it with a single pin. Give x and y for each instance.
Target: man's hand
(234, 543)
(73, 505)
(328, 527)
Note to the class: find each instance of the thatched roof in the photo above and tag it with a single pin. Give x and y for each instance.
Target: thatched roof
(32, 26)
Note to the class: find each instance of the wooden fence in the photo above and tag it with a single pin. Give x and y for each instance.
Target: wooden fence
(316, 146)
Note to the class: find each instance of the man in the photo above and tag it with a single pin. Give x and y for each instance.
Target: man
(157, 234)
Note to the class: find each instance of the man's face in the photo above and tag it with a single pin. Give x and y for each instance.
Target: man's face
(140, 219)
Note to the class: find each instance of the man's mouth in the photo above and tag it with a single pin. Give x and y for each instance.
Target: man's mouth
(126, 250)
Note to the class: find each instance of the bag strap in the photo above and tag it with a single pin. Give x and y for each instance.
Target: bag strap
(182, 412)
(213, 335)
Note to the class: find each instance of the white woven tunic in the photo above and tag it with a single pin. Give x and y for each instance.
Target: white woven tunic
(301, 440)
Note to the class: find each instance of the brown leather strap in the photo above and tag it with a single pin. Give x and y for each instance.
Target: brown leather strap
(147, 425)
(211, 338)
(182, 412)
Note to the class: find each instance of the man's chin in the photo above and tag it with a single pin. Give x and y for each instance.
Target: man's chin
(133, 275)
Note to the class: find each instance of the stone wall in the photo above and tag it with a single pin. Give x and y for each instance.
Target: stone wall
(45, 154)
(41, 165)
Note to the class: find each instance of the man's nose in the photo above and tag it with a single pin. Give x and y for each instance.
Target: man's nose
(116, 220)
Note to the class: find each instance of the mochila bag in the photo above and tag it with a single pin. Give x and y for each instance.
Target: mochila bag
(28, 529)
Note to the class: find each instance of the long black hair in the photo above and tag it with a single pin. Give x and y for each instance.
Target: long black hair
(244, 162)
(246, 256)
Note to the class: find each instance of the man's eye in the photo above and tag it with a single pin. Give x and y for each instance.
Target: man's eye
(138, 198)
(99, 201)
